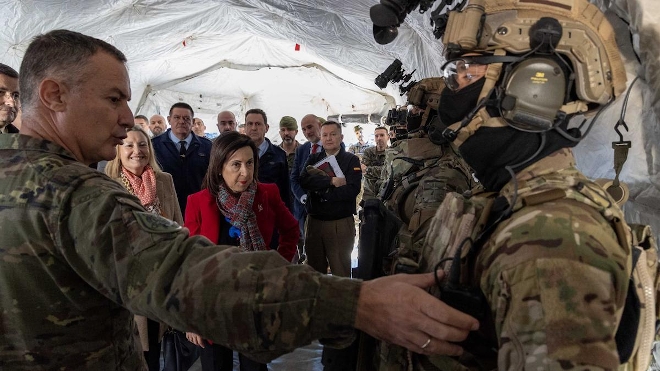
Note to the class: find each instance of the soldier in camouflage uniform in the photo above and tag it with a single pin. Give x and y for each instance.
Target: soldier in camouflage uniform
(420, 169)
(373, 160)
(544, 259)
(288, 132)
(79, 253)
(358, 147)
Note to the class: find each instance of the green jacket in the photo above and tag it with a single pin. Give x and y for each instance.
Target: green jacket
(374, 161)
(79, 254)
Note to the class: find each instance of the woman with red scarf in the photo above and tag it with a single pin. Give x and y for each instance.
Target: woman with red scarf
(135, 167)
(234, 209)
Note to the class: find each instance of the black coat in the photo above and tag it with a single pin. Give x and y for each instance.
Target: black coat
(273, 168)
(325, 201)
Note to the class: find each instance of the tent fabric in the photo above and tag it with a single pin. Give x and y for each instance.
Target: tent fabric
(293, 57)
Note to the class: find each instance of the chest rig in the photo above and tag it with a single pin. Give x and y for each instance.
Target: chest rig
(462, 225)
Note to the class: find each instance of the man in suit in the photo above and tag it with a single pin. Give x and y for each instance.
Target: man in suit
(330, 226)
(182, 153)
(272, 159)
(311, 127)
(331, 204)
(8, 99)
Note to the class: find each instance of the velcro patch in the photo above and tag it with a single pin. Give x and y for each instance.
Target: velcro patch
(154, 223)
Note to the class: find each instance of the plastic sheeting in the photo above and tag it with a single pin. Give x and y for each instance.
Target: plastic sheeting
(241, 54)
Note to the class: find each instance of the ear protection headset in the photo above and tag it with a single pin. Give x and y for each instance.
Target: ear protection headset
(541, 69)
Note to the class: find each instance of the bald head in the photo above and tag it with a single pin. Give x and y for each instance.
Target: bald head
(157, 124)
(226, 122)
(311, 127)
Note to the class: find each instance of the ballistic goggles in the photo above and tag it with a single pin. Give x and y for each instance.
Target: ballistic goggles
(461, 72)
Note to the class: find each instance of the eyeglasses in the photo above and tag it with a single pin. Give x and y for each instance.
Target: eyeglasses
(460, 73)
(186, 119)
(8, 94)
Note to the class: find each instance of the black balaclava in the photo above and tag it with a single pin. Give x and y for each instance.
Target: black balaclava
(454, 106)
(489, 150)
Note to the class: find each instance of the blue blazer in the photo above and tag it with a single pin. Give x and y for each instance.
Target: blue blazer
(187, 173)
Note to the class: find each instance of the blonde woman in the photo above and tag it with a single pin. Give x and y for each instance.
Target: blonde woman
(136, 169)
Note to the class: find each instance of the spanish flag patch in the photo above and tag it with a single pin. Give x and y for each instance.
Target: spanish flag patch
(357, 169)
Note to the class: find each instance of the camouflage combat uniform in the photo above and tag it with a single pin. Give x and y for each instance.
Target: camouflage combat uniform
(374, 161)
(79, 254)
(358, 148)
(291, 157)
(554, 274)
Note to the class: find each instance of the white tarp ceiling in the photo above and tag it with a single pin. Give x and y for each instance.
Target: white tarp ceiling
(241, 54)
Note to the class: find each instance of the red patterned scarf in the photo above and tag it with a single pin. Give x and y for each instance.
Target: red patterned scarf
(238, 208)
(144, 187)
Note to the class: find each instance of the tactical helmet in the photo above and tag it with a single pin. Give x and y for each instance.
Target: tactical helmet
(546, 59)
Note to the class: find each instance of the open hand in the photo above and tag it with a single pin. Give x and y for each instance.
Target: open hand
(398, 310)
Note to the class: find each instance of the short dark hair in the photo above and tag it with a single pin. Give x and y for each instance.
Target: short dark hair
(182, 105)
(62, 53)
(381, 128)
(142, 117)
(221, 149)
(8, 71)
(330, 123)
(258, 111)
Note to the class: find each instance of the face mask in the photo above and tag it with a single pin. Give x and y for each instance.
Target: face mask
(490, 150)
(454, 106)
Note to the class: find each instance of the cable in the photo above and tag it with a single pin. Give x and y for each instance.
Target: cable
(566, 135)
(624, 107)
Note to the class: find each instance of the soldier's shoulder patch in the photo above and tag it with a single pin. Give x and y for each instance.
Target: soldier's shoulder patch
(154, 223)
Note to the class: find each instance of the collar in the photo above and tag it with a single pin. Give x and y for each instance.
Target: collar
(556, 168)
(9, 129)
(263, 147)
(295, 146)
(341, 150)
(554, 177)
(176, 140)
(28, 143)
(379, 152)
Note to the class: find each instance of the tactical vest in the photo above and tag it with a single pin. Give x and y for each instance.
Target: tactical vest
(416, 178)
(460, 218)
(418, 174)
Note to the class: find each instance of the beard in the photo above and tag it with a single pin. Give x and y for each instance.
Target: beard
(287, 139)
